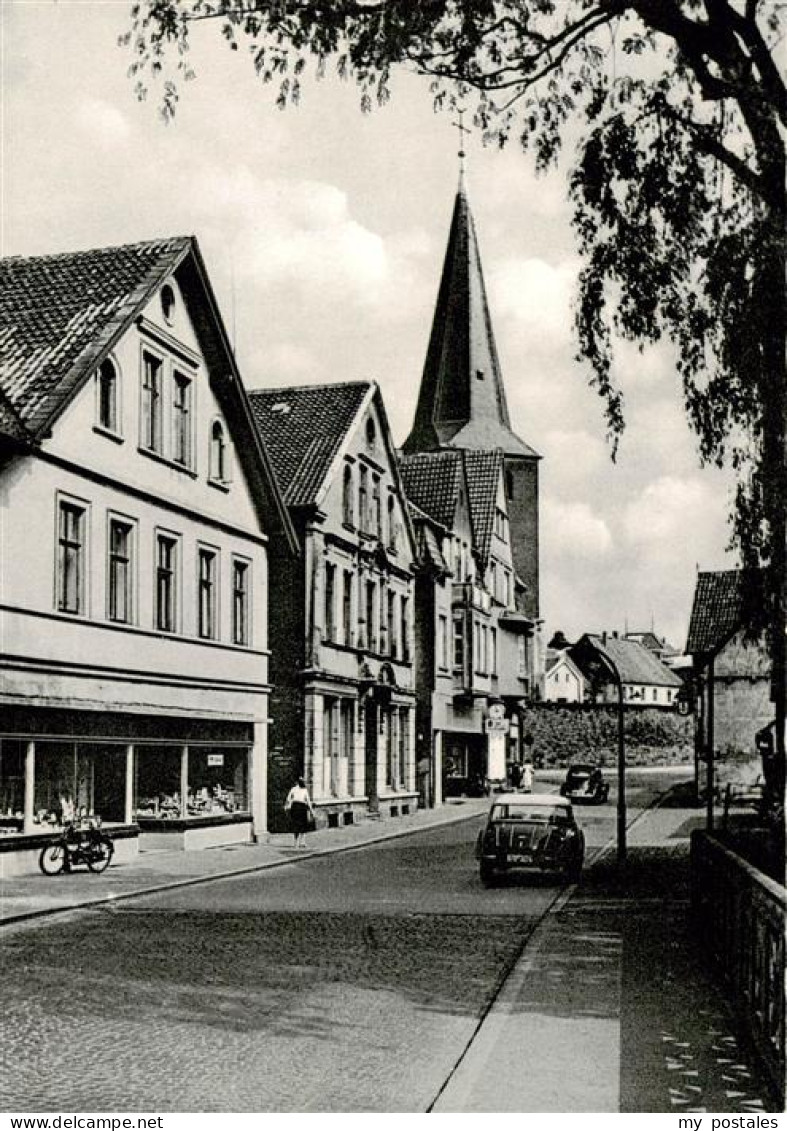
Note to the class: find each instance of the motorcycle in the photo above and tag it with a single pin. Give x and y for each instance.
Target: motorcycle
(79, 843)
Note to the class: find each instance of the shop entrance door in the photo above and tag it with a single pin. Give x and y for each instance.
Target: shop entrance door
(370, 740)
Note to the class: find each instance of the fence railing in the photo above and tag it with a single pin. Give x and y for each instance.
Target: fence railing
(740, 917)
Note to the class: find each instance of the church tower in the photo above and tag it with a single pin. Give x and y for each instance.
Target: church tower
(462, 400)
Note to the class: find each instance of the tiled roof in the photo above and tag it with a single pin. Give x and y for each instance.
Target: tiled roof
(60, 314)
(483, 476)
(431, 481)
(302, 429)
(634, 663)
(717, 611)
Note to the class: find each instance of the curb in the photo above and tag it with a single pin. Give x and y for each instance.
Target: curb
(193, 881)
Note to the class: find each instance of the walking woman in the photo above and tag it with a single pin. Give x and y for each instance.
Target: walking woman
(299, 806)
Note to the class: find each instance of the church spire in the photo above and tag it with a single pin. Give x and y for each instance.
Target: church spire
(462, 401)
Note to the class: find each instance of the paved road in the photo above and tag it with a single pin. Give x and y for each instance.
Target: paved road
(350, 983)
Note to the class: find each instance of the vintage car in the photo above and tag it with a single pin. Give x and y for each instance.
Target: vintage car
(584, 782)
(531, 832)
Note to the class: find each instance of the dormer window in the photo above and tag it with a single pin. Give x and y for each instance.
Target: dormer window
(168, 304)
(108, 396)
(218, 453)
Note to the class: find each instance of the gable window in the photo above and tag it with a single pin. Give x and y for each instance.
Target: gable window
(166, 582)
(168, 304)
(394, 641)
(108, 396)
(218, 453)
(377, 513)
(181, 420)
(206, 612)
(393, 532)
(363, 499)
(347, 607)
(330, 601)
(120, 571)
(72, 521)
(151, 402)
(348, 511)
(371, 434)
(405, 629)
(240, 602)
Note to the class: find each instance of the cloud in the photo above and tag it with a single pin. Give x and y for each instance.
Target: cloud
(102, 122)
(573, 530)
(660, 515)
(535, 294)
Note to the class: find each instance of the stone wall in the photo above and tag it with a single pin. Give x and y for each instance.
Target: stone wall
(566, 732)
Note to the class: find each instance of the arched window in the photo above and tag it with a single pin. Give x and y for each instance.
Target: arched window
(218, 453)
(108, 395)
(348, 510)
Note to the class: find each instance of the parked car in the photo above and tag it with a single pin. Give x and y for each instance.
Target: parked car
(531, 832)
(585, 782)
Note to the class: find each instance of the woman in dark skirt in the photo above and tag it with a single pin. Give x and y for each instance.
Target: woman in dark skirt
(299, 806)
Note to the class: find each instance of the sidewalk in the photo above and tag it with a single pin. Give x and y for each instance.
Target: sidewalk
(611, 1008)
(32, 896)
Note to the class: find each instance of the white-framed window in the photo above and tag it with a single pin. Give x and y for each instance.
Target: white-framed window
(167, 581)
(371, 602)
(207, 592)
(330, 601)
(182, 392)
(493, 650)
(363, 498)
(442, 641)
(459, 642)
(348, 507)
(393, 641)
(108, 396)
(347, 608)
(241, 601)
(121, 545)
(72, 532)
(404, 621)
(219, 454)
(377, 510)
(152, 404)
(393, 529)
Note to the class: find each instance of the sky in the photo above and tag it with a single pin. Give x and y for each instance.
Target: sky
(324, 232)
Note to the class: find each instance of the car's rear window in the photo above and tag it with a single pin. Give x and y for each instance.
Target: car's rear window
(529, 813)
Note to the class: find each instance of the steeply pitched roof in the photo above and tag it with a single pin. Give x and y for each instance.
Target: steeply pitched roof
(634, 663)
(717, 611)
(431, 481)
(462, 401)
(302, 430)
(483, 477)
(60, 314)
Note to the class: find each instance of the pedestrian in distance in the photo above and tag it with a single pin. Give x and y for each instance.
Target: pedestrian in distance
(299, 806)
(527, 777)
(515, 775)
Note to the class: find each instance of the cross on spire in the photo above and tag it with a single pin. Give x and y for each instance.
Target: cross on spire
(463, 129)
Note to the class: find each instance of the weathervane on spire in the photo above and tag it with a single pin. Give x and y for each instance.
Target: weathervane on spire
(463, 129)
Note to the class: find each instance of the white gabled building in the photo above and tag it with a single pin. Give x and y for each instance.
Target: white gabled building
(137, 506)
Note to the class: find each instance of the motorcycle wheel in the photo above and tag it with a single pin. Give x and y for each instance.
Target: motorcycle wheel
(101, 854)
(52, 859)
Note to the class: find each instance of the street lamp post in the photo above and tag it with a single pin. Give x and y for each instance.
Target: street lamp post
(621, 806)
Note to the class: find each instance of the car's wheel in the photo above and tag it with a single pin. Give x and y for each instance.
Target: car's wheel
(487, 874)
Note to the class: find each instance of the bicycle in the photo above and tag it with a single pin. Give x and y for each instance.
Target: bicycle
(77, 844)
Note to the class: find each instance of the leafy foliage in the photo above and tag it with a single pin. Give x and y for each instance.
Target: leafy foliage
(677, 186)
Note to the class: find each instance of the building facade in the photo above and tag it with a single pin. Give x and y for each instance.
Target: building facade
(343, 709)
(476, 481)
(137, 508)
(608, 661)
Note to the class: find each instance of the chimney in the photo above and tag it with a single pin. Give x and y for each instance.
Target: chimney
(604, 637)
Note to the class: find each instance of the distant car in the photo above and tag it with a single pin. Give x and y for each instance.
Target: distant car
(532, 832)
(585, 782)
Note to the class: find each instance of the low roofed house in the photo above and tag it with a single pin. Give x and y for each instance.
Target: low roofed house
(732, 669)
(646, 681)
(137, 507)
(563, 681)
(341, 616)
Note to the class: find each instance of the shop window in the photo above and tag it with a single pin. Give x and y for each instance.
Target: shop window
(108, 396)
(71, 563)
(348, 510)
(78, 779)
(218, 781)
(241, 633)
(157, 784)
(207, 620)
(12, 782)
(151, 402)
(166, 582)
(181, 420)
(120, 580)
